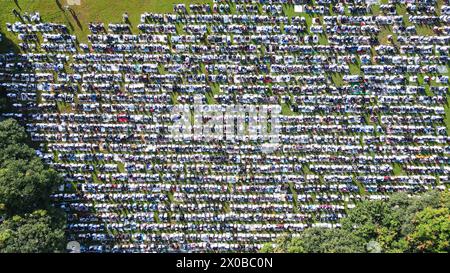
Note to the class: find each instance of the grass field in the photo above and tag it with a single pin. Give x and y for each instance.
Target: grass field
(107, 11)
(110, 11)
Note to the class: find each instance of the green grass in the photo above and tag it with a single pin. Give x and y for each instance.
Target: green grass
(362, 189)
(286, 110)
(398, 169)
(109, 11)
(447, 114)
(101, 11)
(64, 107)
(294, 196)
(384, 33)
(121, 167)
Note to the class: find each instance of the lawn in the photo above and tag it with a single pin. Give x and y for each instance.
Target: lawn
(106, 11)
(110, 11)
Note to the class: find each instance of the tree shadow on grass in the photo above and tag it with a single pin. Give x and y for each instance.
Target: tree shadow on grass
(17, 4)
(6, 46)
(75, 17)
(7, 108)
(59, 5)
(61, 8)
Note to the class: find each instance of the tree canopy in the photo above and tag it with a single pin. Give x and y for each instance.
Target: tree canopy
(25, 185)
(402, 224)
(31, 223)
(431, 231)
(32, 233)
(11, 133)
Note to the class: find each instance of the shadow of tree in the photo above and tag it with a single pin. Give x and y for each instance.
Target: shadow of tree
(59, 5)
(17, 4)
(7, 108)
(75, 17)
(6, 46)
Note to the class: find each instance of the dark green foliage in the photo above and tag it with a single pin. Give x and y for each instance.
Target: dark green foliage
(402, 224)
(11, 133)
(31, 224)
(32, 233)
(25, 185)
(319, 240)
(431, 231)
(25, 182)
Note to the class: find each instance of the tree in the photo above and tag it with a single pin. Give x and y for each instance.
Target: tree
(317, 240)
(403, 224)
(26, 185)
(16, 151)
(324, 240)
(32, 233)
(267, 248)
(431, 232)
(11, 133)
(373, 220)
(25, 182)
(405, 207)
(388, 223)
(31, 224)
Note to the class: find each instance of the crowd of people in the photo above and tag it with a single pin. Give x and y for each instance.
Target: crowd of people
(360, 118)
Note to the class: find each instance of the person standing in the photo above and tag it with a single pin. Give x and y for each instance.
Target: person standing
(125, 18)
(26, 16)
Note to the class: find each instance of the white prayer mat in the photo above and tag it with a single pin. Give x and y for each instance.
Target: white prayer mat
(298, 8)
(442, 69)
(73, 2)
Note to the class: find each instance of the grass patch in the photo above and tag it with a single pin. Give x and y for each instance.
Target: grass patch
(397, 169)
(89, 11)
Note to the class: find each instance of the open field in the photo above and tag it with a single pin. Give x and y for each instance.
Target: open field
(105, 120)
(107, 11)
